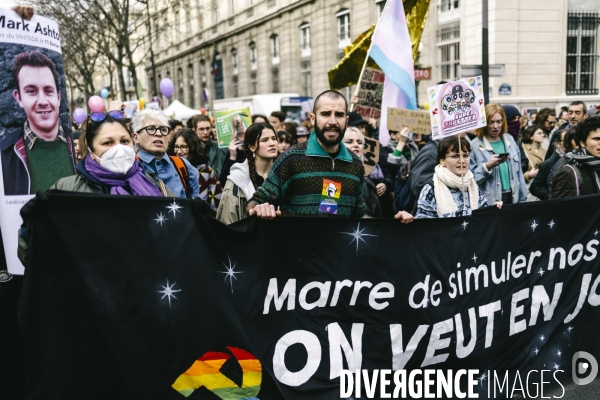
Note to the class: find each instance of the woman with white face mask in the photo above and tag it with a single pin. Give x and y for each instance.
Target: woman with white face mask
(110, 165)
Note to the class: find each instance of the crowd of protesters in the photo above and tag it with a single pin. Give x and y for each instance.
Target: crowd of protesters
(280, 166)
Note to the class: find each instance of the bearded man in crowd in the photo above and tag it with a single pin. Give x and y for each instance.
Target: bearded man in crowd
(301, 180)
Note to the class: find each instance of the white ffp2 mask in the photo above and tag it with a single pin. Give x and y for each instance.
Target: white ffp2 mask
(118, 159)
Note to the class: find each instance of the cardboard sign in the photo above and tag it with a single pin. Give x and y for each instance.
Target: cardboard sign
(370, 94)
(231, 124)
(416, 121)
(456, 107)
(371, 155)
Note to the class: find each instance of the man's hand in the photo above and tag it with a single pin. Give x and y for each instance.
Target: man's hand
(25, 12)
(264, 211)
(380, 189)
(404, 217)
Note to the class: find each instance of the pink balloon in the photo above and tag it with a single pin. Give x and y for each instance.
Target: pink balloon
(96, 104)
(79, 115)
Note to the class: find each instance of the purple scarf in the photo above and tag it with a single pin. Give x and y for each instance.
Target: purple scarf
(133, 182)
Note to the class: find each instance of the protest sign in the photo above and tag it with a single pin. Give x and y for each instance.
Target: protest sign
(131, 107)
(370, 154)
(369, 94)
(456, 107)
(439, 294)
(231, 124)
(153, 105)
(417, 121)
(32, 76)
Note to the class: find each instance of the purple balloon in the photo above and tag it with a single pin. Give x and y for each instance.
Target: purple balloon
(79, 115)
(167, 87)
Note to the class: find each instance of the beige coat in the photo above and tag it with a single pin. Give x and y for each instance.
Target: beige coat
(535, 159)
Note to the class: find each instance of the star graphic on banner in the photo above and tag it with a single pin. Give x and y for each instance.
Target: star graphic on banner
(551, 224)
(160, 219)
(536, 351)
(533, 226)
(595, 233)
(464, 225)
(570, 328)
(541, 272)
(556, 366)
(357, 235)
(230, 273)
(483, 378)
(542, 338)
(474, 258)
(174, 208)
(168, 291)
(559, 353)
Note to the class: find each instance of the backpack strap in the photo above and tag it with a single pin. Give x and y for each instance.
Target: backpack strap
(577, 178)
(183, 173)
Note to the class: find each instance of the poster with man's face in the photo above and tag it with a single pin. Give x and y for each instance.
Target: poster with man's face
(36, 147)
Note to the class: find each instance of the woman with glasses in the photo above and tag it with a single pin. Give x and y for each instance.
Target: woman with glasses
(185, 144)
(260, 146)
(150, 131)
(110, 166)
(496, 160)
(452, 192)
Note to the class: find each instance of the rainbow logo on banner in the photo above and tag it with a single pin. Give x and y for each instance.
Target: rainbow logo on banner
(206, 372)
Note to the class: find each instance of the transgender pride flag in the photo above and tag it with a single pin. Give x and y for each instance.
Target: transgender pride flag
(392, 51)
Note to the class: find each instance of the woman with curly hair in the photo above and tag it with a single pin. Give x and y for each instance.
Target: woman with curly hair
(580, 172)
(185, 143)
(260, 146)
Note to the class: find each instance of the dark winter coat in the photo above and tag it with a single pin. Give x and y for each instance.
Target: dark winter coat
(572, 180)
(541, 184)
(371, 199)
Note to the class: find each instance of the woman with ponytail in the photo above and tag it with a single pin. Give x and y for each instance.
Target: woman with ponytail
(453, 191)
(260, 146)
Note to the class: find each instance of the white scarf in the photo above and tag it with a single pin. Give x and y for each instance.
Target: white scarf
(443, 179)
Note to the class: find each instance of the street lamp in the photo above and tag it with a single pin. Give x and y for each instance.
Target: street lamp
(154, 88)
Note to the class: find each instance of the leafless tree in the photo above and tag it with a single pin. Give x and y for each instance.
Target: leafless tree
(101, 35)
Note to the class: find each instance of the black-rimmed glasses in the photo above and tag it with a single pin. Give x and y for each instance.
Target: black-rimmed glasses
(151, 130)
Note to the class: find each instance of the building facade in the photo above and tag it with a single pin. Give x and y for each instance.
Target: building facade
(238, 48)
(549, 48)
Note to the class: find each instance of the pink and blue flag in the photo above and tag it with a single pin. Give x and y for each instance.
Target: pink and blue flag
(392, 51)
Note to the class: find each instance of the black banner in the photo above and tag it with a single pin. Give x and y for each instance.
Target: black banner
(147, 298)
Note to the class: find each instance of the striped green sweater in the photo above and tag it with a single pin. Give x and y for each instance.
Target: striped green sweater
(295, 182)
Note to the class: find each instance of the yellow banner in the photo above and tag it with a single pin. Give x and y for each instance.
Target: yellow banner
(347, 71)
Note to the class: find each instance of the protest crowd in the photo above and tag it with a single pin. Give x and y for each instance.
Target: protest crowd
(278, 167)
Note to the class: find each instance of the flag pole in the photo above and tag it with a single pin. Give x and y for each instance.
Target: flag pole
(362, 71)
